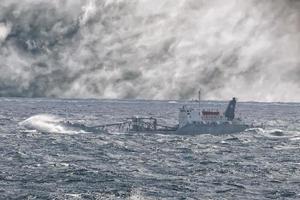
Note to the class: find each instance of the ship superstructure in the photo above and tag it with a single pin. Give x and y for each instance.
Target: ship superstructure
(210, 121)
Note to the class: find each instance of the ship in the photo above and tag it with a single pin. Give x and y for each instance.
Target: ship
(190, 122)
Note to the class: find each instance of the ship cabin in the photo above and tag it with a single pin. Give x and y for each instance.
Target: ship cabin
(211, 115)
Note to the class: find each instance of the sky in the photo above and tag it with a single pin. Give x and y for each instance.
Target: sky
(151, 49)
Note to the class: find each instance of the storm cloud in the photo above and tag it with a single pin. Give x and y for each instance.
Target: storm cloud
(150, 49)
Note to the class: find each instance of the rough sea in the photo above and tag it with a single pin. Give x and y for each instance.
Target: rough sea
(47, 151)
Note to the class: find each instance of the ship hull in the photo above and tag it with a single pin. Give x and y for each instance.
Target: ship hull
(215, 129)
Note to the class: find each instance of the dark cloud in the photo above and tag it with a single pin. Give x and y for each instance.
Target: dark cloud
(150, 49)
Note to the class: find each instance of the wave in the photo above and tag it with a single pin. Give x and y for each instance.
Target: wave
(50, 124)
(137, 194)
(276, 133)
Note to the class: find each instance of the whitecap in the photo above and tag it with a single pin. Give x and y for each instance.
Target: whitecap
(48, 124)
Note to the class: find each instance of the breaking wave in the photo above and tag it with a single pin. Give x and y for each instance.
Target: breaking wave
(275, 133)
(49, 124)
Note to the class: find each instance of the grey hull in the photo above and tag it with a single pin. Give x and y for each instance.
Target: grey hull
(196, 129)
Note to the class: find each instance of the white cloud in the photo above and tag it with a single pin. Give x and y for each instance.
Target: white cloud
(151, 49)
(4, 31)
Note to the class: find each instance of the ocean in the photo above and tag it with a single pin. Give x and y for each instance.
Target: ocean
(47, 151)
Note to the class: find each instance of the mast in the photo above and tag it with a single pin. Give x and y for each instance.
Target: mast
(199, 98)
